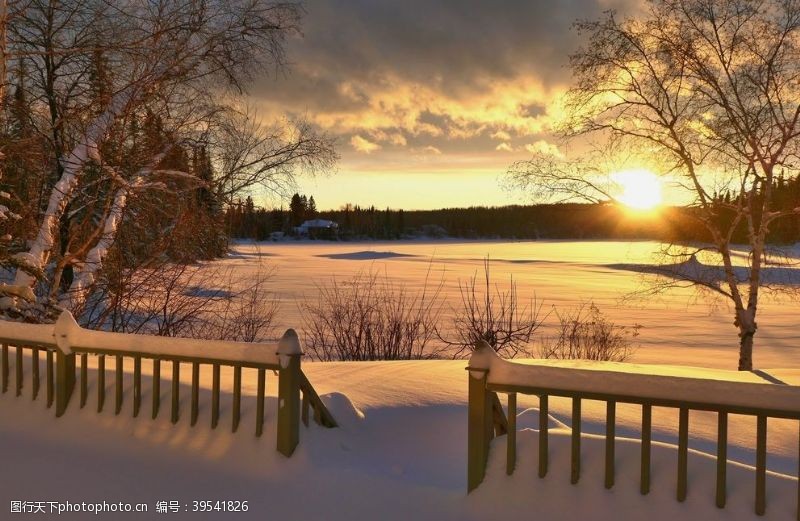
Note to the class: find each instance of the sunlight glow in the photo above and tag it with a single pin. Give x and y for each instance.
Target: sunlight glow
(640, 189)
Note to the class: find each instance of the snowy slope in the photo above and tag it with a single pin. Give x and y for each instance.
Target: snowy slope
(400, 455)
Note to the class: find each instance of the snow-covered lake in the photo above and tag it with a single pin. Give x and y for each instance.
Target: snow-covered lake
(678, 327)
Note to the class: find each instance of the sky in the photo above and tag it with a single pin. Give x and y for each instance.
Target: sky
(429, 101)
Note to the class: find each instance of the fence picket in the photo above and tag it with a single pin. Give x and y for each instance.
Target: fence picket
(137, 385)
(156, 387)
(683, 452)
(215, 396)
(195, 392)
(118, 384)
(761, 465)
(647, 421)
(544, 424)
(35, 373)
(611, 411)
(511, 436)
(575, 473)
(18, 368)
(49, 376)
(5, 369)
(84, 379)
(101, 382)
(176, 383)
(722, 458)
(262, 384)
(237, 397)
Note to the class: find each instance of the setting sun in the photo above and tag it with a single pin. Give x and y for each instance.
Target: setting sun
(640, 189)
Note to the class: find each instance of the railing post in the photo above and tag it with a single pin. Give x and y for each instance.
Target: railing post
(289, 353)
(65, 360)
(65, 380)
(480, 421)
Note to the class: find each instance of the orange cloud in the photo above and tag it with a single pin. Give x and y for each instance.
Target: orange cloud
(363, 145)
(544, 147)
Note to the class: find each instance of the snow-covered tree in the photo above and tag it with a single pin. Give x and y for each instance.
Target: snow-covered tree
(121, 97)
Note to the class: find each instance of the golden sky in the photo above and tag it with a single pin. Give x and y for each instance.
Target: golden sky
(430, 101)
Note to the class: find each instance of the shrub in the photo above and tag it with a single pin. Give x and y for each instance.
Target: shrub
(585, 333)
(494, 315)
(183, 300)
(370, 318)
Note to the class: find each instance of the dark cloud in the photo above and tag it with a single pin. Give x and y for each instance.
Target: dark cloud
(452, 49)
(455, 44)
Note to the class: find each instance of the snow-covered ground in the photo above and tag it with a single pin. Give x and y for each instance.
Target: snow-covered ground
(399, 454)
(679, 327)
(401, 450)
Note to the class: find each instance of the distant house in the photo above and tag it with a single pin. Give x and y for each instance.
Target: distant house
(318, 229)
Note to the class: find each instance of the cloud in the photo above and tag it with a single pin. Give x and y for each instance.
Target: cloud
(544, 147)
(501, 135)
(459, 76)
(393, 138)
(504, 147)
(430, 150)
(364, 145)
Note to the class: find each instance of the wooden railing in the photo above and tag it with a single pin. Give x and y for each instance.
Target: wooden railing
(489, 375)
(65, 342)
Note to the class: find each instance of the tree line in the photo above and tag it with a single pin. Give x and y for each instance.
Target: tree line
(540, 221)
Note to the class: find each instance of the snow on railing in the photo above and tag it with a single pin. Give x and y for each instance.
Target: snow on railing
(680, 388)
(65, 340)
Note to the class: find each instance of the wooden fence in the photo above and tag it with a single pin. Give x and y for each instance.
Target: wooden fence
(64, 343)
(490, 375)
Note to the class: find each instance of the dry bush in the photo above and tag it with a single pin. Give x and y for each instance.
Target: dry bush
(584, 333)
(183, 300)
(494, 315)
(246, 315)
(370, 318)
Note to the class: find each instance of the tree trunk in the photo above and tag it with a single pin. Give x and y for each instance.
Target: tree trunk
(747, 330)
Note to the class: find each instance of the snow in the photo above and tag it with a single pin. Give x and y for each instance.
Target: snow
(23, 292)
(732, 388)
(400, 450)
(693, 269)
(679, 327)
(399, 454)
(288, 346)
(29, 334)
(68, 336)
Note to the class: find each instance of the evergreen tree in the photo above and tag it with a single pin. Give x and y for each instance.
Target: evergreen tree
(311, 211)
(297, 210)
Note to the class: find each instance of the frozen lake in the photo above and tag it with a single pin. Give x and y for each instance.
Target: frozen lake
(678, 327)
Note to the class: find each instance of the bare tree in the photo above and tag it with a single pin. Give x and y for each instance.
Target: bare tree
(708, 89)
